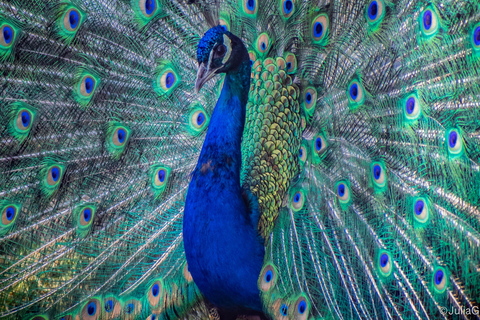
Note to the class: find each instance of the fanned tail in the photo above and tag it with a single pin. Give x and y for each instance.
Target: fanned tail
(99, 135)
(361, 145)
(384, 220)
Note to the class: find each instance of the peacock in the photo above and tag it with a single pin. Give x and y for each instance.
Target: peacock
(239, 159)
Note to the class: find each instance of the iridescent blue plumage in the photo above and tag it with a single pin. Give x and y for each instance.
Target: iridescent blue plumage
(209, 39)
(222, 245)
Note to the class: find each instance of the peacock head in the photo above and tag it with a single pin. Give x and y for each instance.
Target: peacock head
(219, 51)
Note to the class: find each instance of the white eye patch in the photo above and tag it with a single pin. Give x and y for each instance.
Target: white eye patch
(228, 45)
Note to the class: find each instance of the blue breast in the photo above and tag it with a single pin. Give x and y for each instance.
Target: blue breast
(222, 246)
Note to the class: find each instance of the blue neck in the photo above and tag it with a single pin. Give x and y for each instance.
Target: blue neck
(228, 120)
(222, 246)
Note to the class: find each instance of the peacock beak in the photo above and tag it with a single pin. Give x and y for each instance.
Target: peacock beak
(203, 75)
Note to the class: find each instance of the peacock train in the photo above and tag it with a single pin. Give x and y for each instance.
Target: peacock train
(239, 159)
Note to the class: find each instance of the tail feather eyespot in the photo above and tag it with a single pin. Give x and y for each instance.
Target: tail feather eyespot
(320, 29)
(268, 277)
(287, 7)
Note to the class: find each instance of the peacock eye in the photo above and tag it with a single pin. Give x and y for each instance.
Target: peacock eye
(53, 176)
(86, 216)
(342, 189)
(220, 51)
(87, 86)
(91, 309)
(439, 280)
(7, 217)
(378, 174)
(412, 107)
(250, 7)
(154, 293)
(375, 12)
(263, 43)
(198, 120)
(319, 144)
(71, 20)
(147, 7)
(310, 99)
(301, 308)
(286, 9)
(10, 213)
(167, 80)
(385, 264)
(454, 142)
(291, 63)
(476, 37)
(427, 19)
(24, 120)
(453, 139)
(159, 177)
(297, 201)
(356, 94)
(155, 290)
(320, 29)
(429, 22)
(420, 209)
(7, 35)
(268, 277)
(355, 91)
(119, 137)
(132, 307)
(109, 306)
